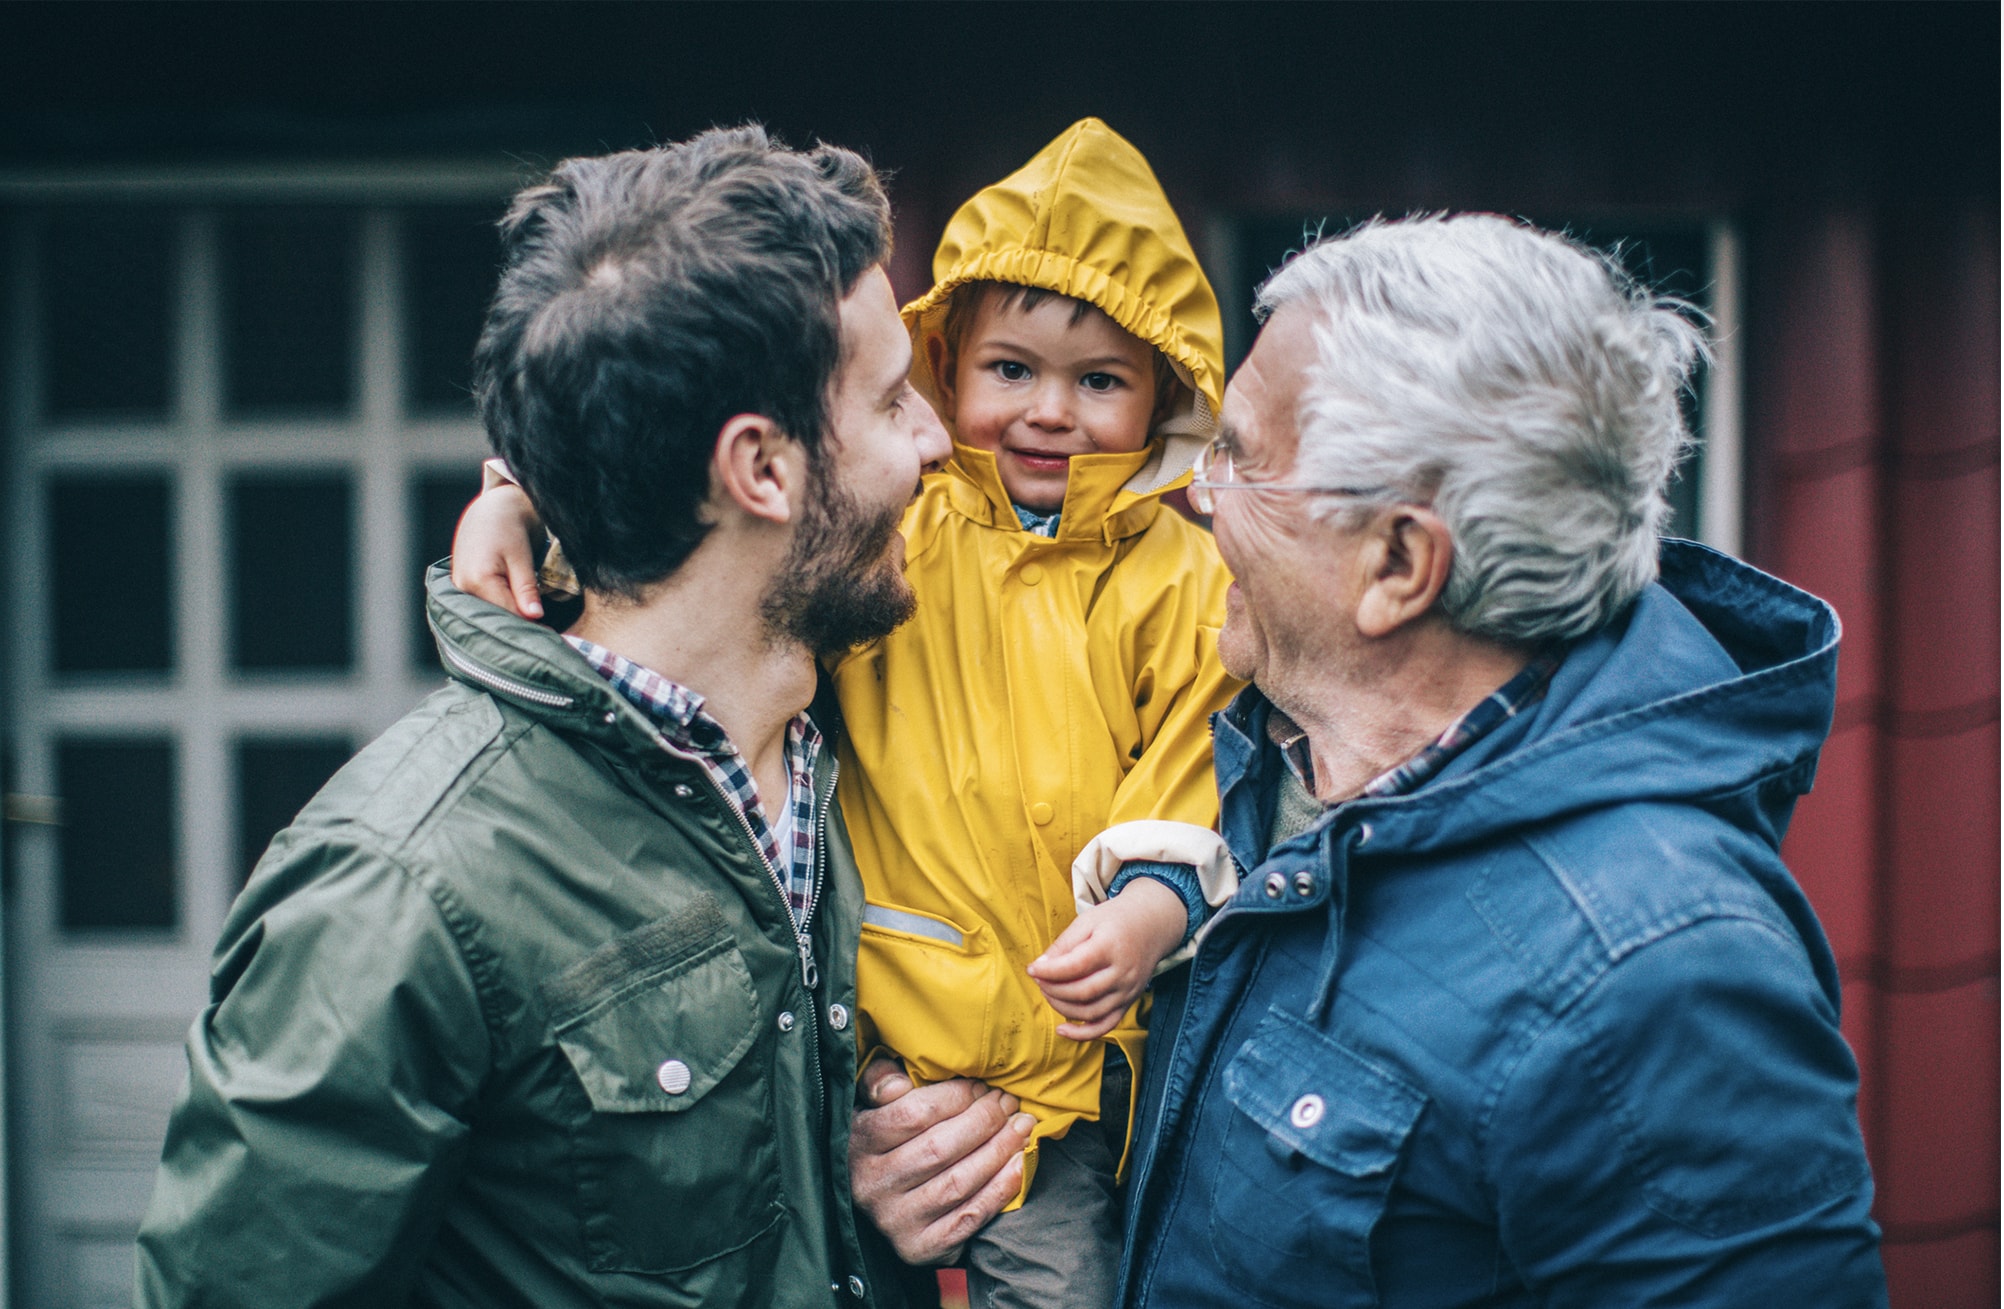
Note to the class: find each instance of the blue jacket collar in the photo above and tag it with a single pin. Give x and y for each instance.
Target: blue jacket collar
(1716, 686)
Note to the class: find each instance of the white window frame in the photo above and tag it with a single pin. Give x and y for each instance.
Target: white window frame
(98, 1019)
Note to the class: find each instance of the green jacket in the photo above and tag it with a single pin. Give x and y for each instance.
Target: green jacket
(515, 1013)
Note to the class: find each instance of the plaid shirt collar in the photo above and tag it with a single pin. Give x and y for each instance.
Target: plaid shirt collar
(1037, 524)
(678, 712)
(1499, 707)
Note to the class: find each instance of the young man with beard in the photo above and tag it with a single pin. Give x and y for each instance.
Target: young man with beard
(545, 999)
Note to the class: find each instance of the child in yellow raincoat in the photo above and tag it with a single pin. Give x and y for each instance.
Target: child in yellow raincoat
(1057, 681)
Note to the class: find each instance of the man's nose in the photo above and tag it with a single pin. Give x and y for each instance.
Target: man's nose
(935, 447)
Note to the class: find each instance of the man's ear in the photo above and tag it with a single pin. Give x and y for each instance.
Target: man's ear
(941, 361)
(757, 469)
(1407, 555)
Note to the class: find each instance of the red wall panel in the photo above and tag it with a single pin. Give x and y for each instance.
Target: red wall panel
(1873, 422)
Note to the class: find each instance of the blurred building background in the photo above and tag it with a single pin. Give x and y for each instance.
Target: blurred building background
(244, 251)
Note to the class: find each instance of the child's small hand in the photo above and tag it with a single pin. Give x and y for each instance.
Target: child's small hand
(1103, 960)
(491, 554)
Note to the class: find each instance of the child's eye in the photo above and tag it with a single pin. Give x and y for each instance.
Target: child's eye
(1099, 381)
(1011, 371)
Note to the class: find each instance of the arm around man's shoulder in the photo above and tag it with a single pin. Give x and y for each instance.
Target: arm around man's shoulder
(329, 1080)
(1685, 1131)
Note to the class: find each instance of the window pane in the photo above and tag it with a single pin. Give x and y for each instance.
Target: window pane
(117, 842)
(105, 285)
(291, 592)
(289, 311)
(275, 779)
(438, 497)
(111, 580)
(451, 260)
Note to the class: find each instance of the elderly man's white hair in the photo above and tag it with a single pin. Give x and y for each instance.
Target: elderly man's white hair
(1521, 384)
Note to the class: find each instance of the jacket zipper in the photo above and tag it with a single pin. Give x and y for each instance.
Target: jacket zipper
(827, 802)
(810, 973)
(507, 685)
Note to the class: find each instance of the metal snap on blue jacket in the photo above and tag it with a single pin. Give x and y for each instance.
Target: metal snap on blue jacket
(1556, 1029)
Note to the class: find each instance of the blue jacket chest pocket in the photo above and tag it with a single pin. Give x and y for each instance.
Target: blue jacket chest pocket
(1309, 1154)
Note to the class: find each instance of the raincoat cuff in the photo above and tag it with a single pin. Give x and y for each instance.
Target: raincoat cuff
(1156, 840)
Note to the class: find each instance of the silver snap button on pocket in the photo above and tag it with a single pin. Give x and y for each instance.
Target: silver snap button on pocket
(683, 791)
(673, 1075)
(785, 1020)
(1275, 884)
(838, 1016)
(1307, 1111)
(1304, 883)
(855, 1286)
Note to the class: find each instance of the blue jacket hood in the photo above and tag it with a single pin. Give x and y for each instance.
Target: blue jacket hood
(1715, 688)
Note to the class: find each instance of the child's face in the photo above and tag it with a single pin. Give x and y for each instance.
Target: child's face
(1037, 388)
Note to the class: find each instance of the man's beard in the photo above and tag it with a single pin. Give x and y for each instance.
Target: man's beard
(842, 585)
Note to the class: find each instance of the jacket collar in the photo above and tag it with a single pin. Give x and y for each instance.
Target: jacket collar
(1101, 502)
(535, 670)
(1717, 685)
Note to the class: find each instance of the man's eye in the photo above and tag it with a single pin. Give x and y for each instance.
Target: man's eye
(1011, 371)
(1099, 381)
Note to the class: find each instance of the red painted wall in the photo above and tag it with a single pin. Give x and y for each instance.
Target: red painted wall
(1873, 429)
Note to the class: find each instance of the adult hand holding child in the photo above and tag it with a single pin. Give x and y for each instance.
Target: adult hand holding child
(931, 1165)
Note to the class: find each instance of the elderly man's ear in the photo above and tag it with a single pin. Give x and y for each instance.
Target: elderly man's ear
(757, 468)
(1405, 557)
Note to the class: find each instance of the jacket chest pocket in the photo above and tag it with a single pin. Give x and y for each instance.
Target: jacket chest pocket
(1312, 1143)
(676, 1161)
(930, 989)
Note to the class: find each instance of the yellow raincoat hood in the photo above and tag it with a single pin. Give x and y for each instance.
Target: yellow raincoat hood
(1087, 219)
(1048, 686)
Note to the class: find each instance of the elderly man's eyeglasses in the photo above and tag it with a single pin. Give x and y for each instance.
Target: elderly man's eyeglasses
(1213, 472)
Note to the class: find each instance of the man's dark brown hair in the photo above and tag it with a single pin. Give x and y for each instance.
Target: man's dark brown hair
(645, 298)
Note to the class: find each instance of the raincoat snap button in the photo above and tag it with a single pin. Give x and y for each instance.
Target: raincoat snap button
(1040, 813)
(611, 716)
(1275, 884)
(683, 790)
(838, 1016)
(855, 1286)
(1304, 883)
(673, 1076)
(785, 1020)
(1364, 834)
(1031, 574)
(1307, 1111)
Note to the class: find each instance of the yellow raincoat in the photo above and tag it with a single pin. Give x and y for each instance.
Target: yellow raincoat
(1047, 688)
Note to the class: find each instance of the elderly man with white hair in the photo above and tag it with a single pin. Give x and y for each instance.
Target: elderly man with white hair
(1517, 1004)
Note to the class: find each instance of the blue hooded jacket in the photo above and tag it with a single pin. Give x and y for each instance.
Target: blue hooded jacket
(1557, 1028)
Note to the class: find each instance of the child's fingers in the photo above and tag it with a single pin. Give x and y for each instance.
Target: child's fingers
(491, 587)
(1073, 1008)
(1067, 962)
(522, 580)
(1093, 988)
(1091, 1031)
(1072, 955)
